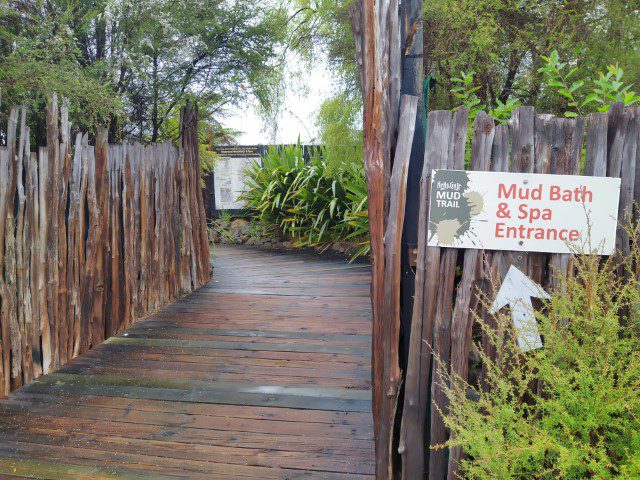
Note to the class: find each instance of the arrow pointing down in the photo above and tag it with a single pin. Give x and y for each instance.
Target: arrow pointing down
(517, 290)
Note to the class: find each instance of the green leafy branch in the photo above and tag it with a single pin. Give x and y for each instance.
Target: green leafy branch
(466, 92)
(582, 96)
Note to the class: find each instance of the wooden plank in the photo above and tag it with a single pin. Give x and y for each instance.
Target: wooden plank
(567, 139)
(418, 367)
(441, 343)
(22, 251)
(392, 241)
(4, 326)
(463, 312)
(62, 191)
(10, 330)
(52, 182)
(262, 410)
(595, 164)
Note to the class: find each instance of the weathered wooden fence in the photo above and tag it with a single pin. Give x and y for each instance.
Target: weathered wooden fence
(449, 281)
(91, 238)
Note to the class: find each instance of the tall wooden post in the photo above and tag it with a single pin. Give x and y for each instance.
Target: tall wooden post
(412, 79)
(387, 40)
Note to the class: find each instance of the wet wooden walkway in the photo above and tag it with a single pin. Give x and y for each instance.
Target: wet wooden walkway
(261, 374)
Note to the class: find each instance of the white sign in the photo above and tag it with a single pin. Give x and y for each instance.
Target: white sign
(523, 212)
(516, 291)
(229, 181)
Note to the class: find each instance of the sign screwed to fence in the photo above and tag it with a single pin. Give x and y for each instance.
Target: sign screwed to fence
(523, 212)
(538, 189)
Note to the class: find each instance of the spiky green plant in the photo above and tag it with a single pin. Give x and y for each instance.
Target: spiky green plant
(307, 204)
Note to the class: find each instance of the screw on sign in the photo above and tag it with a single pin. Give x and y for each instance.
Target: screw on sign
(516, 291)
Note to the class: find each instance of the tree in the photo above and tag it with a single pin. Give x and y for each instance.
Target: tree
(324, 27)
(503, 42)
(144, 56)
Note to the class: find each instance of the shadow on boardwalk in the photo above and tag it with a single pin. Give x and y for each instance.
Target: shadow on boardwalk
(263, 373)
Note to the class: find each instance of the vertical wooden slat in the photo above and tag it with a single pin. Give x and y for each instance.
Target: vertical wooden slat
(595, 163)
(45, 325)
(567, 141)
(75, 245)
(23, 296)
(494, 264)
(34, 262)
(92, 254)
(418, 376)
(26, 244)
(443, 316)
(10, 328)
(52, 182)
(4, 326)
(544, 134)
(62, 191)
(392, 240)
(371, 19)
(463, 314)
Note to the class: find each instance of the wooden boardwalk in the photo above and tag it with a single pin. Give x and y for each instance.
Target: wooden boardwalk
(263, 373)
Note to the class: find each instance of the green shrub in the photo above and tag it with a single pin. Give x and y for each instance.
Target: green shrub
(570, 410)
(308, 205)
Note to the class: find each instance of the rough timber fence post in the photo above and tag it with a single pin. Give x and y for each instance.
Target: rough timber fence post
(412, 45)
(377, 33)
(392, 244)
(51, 254)
(4, 199)
(73, 221)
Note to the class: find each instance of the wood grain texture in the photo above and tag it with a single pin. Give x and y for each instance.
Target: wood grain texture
(393, 240)
(276, 402)
(75, 259)
(441, 344)
(449, 291)
(466, 293)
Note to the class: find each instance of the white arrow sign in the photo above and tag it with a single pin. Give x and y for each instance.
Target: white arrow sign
(516, 290)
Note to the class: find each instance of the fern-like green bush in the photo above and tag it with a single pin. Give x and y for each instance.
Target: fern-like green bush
(570, 410)
(305, 203)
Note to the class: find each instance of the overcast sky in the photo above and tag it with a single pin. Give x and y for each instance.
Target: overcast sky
(306, 90)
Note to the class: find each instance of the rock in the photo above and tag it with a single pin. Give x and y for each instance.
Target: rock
(240, 223)
(287, 244)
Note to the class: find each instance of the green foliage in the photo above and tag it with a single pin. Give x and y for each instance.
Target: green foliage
(324, 34)
(466, 92)
(132, 63)
(323, 30)
(570, 410)
(224, 216)
(503, 42)
(308, 206)
(582, 95)
(339, 124)
(49, 62)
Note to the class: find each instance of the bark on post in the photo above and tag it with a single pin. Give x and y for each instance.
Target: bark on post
(376, 28)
